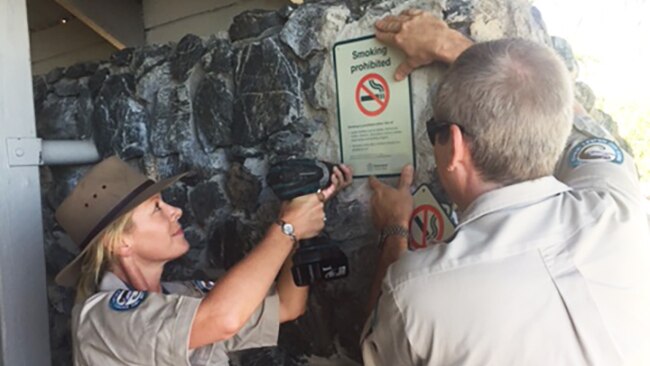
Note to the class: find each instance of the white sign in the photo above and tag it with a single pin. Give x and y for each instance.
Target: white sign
(374, 110)
(430, 222)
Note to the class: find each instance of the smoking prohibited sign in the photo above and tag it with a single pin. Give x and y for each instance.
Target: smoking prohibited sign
(426, 225)
(374, 111)
(429, 223)
(372, 95)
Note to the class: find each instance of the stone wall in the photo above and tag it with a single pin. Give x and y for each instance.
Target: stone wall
(225, 107)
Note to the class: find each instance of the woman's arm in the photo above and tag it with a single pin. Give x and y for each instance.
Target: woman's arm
(293, 299)
(235, 297)
(242, 289)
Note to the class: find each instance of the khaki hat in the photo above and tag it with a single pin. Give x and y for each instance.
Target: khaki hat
(109, 190)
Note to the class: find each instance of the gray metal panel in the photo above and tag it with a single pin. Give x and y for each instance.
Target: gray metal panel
(24, 326)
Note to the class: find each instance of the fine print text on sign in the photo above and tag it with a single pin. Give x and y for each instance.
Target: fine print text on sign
(374, 110)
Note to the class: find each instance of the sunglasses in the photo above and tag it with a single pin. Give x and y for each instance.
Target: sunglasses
(435, 127)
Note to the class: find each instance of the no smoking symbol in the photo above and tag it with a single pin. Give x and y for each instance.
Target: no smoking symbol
(372, 95)
(426, 224)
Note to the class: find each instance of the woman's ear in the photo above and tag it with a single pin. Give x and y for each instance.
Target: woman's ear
(124, 247)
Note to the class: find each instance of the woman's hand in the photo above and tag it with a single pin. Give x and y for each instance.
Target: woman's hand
(306, 213)
(341, 178)
(423, 38)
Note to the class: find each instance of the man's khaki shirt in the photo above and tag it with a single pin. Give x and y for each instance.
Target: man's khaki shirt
(554, 271)
(117, 326)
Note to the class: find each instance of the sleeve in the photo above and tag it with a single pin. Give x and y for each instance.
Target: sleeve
(134, 327)
(384, 340)
(262, 328)
(592, 159)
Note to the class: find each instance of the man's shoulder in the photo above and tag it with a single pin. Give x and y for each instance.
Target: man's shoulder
(435, 286)
(415, 264)
(419, 268)
(507, 228)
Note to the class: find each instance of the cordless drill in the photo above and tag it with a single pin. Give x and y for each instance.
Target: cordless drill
(319, 258)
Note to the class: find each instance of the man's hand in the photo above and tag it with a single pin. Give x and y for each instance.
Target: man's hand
(392, 206)
(423, 38)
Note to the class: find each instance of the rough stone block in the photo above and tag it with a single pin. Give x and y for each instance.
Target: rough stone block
(213, 108)
(252, 23)
(187, 53)
(268, 91)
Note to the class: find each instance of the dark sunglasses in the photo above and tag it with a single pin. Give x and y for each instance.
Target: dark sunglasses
(435, 127)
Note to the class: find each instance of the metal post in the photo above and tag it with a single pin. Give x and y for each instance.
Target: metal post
(24, 329)
(64, 152)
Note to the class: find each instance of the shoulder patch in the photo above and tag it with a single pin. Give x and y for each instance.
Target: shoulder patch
(595, 151)
(203, 286)
(123, 300)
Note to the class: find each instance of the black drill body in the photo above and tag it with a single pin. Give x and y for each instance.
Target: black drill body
(319, 258)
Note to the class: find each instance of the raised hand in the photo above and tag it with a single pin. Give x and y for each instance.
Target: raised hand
(423, 38)
(341, 178)
(306, 214)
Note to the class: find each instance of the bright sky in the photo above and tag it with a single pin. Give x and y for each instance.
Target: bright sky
(612, 41)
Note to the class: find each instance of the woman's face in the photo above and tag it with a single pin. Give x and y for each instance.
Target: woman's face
(156, 234)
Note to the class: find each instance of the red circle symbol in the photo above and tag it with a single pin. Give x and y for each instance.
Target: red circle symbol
(372, 95)
(426, 221)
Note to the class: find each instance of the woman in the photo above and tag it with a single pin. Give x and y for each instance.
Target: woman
(125, 316)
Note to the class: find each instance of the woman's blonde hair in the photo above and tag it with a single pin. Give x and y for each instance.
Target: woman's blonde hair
(100, 255)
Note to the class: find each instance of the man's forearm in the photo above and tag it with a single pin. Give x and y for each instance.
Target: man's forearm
(392, 248)
(456, 44)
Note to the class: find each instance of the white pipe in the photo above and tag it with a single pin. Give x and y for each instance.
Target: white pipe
(68, 152)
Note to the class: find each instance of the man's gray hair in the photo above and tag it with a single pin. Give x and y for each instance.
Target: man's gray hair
(514, 98)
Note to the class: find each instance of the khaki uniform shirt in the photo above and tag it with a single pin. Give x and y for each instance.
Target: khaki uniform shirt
(545, 272)
(118, 326)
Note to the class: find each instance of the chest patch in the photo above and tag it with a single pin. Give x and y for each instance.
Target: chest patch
(123, 300)
(595, 151)
(203, 286)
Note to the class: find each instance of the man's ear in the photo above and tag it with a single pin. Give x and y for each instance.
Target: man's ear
(459, 148)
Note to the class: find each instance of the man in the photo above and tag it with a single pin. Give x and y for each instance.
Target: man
(541, 270)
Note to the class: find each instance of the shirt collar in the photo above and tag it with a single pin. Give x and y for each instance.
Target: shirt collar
(513, 195)
(111, 282)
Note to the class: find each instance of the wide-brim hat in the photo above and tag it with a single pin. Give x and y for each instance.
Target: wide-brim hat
(109, 190)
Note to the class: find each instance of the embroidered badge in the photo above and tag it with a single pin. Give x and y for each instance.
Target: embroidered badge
(123, 300)
(595, 150)
(203, 286)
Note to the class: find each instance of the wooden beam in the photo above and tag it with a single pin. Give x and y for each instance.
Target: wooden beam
(118, 21)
